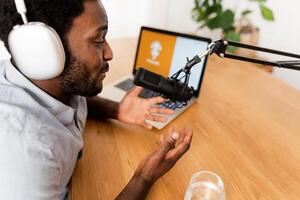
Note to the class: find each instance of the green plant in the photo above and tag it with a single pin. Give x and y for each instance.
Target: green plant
(212, 14)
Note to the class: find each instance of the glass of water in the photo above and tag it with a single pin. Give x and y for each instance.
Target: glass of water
(205, 185)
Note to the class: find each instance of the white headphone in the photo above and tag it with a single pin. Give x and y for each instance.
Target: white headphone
(36, 48)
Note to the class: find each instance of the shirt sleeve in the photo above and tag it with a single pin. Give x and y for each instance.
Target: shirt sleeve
(28, 169)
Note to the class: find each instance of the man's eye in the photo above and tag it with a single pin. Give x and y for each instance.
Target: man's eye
(99, 43)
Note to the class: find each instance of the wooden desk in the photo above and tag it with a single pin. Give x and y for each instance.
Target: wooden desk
(246, 129)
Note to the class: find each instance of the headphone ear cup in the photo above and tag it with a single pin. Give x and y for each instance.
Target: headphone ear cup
(37, 50)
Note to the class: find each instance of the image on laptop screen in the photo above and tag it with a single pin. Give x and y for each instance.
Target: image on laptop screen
(164, 53)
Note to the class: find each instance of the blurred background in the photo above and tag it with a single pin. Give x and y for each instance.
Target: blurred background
(126, 18)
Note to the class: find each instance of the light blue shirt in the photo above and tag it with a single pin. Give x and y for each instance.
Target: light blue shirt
(40, 138)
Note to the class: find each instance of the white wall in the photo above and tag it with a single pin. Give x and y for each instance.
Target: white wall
(283, 35)
(126, 17)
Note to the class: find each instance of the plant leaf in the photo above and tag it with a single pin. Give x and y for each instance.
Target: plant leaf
(246, 12)
(224, 20)
(266, 13)
(214, 9)
(205, 3)
(203, 14)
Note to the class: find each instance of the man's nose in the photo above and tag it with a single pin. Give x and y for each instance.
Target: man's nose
(108, 53)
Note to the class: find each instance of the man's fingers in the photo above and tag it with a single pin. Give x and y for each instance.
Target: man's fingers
(181, 137)
(187, 136)
(181, 148)
(156, 100)
(156, 118)
(161, 110)
(136, 91)
(168, 144)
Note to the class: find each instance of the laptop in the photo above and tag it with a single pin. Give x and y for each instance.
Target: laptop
(163, 52)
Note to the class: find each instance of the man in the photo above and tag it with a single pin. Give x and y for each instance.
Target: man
(42, 120)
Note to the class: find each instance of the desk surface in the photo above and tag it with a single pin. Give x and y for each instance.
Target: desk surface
(246, 129)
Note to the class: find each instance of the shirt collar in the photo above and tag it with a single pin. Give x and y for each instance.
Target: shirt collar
(63, 112)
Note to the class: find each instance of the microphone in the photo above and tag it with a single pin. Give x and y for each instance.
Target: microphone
(169, 88)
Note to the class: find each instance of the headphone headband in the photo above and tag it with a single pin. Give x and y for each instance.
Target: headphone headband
(21, 8)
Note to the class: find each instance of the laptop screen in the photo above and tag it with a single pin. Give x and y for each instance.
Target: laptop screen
(165, 52)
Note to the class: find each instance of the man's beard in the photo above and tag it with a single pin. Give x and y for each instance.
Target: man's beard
(76, 80)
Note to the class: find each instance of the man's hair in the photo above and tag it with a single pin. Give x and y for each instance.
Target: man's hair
(58, 14)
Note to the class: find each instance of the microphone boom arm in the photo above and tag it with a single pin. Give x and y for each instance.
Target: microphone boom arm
(219, 47)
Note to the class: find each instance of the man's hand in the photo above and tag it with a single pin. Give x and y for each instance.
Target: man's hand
(136, 110)
(157, 164)
(165, 156)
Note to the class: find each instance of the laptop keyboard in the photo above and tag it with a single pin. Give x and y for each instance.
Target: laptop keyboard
(171, 105)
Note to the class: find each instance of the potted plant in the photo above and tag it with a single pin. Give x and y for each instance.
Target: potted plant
(213, 15)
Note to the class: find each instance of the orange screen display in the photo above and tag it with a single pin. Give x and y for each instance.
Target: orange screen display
(155, 52)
